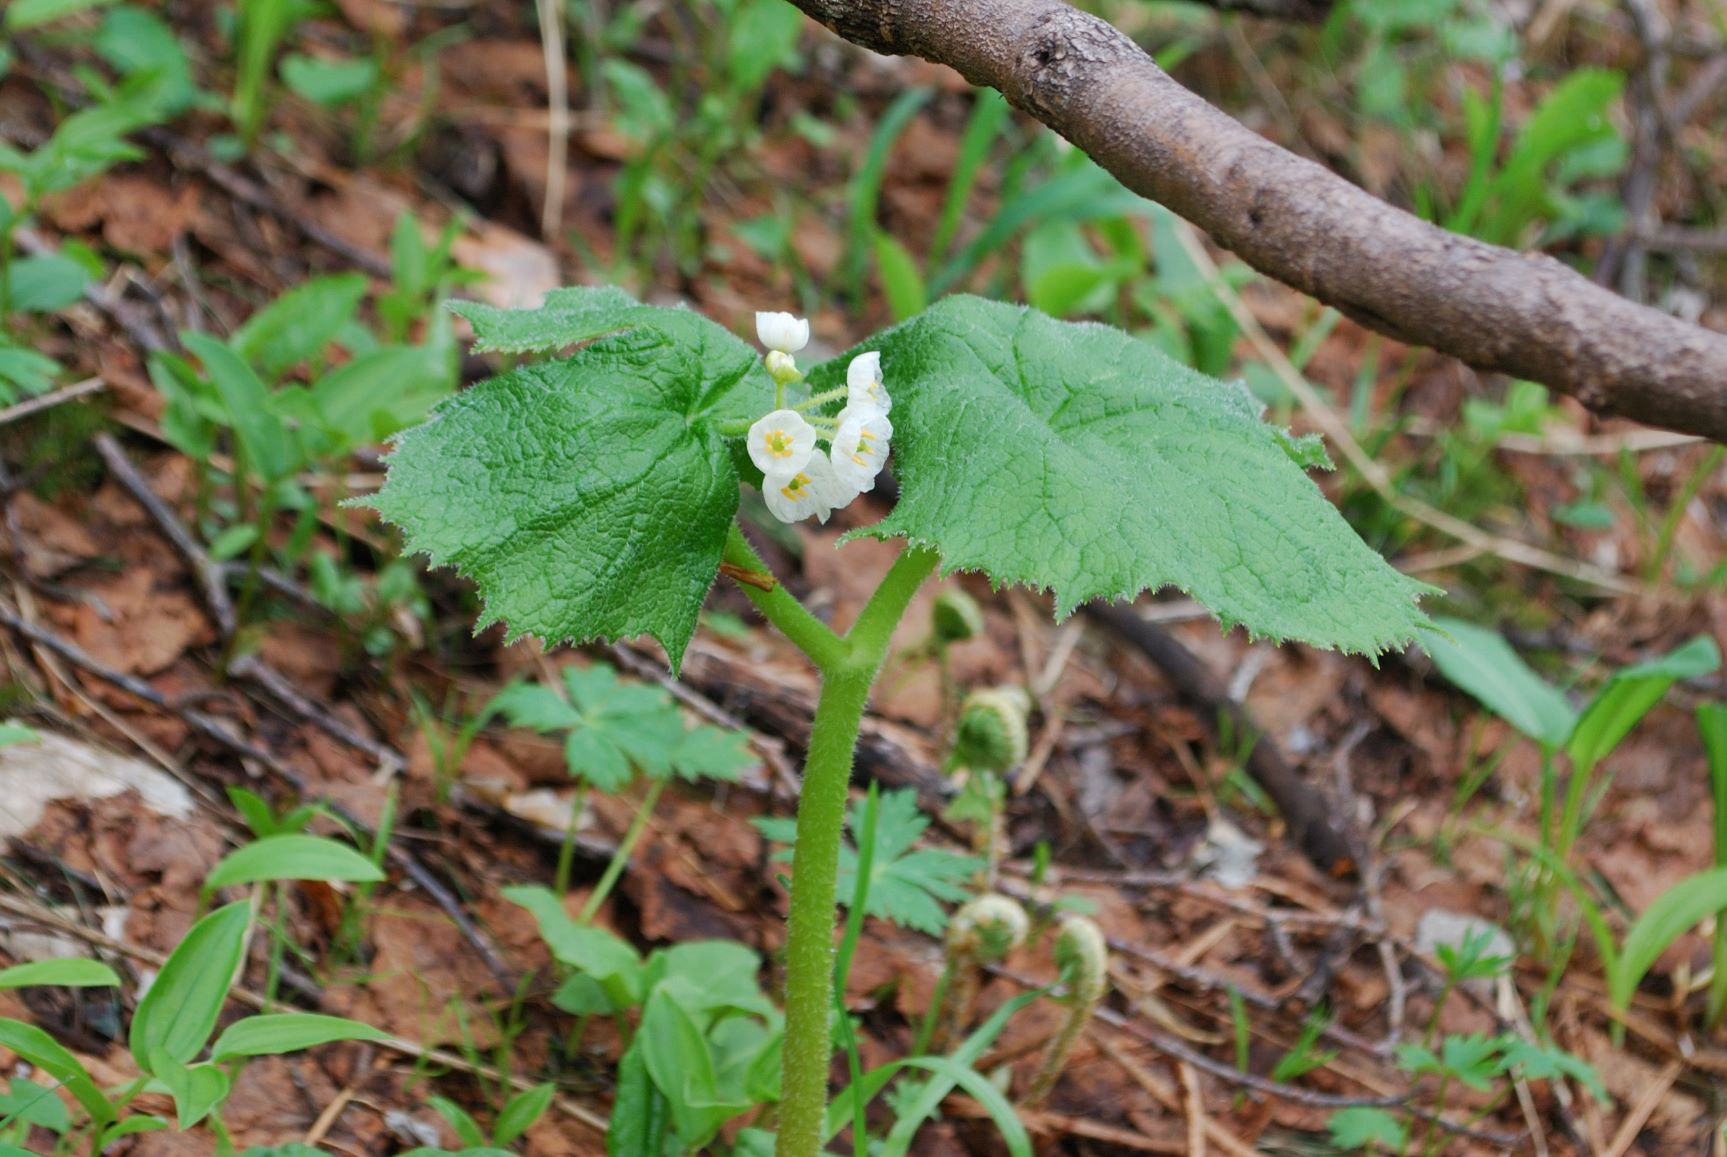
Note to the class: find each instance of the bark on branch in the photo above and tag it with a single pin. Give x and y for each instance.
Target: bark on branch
(1520, 314)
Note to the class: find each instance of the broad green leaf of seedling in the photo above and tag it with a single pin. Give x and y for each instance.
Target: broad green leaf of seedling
(616, 729)
(594, 952)
(71, 972)
(1631, 693)
(175, 1016)
(1482, 663)
(590, 496)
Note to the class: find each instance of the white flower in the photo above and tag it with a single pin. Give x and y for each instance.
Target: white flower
(861, 445)
(781, 443)
(813, 490)
(782, 332)
(864, 383)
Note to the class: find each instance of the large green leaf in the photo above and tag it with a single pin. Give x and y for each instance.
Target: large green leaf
(588, 497)
(1077, 458)
(594, 952)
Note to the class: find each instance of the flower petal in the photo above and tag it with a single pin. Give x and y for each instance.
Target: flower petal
(864, 384)
(813, 490)
(860, 447)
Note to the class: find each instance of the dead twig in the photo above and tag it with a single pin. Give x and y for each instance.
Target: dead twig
(1313, 821)
(49, 400)
(1525, 315)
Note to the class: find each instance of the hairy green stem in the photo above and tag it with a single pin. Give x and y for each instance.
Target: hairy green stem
(812, 636)
(848, 667)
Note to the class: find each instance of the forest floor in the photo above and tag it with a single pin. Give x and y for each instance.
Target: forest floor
(1229, 939)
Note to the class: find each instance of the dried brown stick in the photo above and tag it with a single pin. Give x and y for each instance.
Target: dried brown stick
(49, 400)
(1521, 314)
(211, 580)
(190, 154)
(1312, 820)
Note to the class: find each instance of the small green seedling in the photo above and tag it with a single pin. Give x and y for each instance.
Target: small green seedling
(171, 1030)
(1483, 664)
(593, 495)
(615, 732)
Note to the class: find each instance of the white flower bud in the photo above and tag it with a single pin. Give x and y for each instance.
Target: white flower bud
(782, 332)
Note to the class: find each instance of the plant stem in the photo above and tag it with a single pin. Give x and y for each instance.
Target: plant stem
(812, 636)
(621, 857)
(809, 943)
(847, 675)
(567, 848)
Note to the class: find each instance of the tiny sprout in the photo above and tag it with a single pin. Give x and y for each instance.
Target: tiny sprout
(987, 928)
(956, 617)
(983, 930)
(992, 735)
(1083, 959)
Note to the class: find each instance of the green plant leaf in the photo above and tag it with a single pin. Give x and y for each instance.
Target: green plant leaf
(47, 1054)
(293, 856)
(1630, 694)
(271, 1034)
(1674, 913)
(175, 1016)
(640, 1115)
(681, 1062)
(588, 497)
(712, 753)
(1359, 1129)
(128, 1126)
(568, 317)
(266, 442)
(521, 1111)
(1482, 663)
(299, 326)
(34, 1104)
(462, 1122)
(1473, 1059)
(24, 371)
(1077, 458)
(45, 284)
(26, 14)
(73, 972)
(949, 1073)
(711, 977)
(1550, 1062)
(329, 82)
(196, 1089)
(611, 962)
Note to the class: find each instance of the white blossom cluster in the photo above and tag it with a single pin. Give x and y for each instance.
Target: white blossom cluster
(798, 479)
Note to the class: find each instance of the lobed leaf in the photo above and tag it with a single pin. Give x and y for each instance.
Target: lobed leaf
(587, 497)
(1076, 458)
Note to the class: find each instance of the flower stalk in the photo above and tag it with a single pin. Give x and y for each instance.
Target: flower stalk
(848, 667)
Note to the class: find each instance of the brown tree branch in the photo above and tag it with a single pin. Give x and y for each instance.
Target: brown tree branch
(1521, 314)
